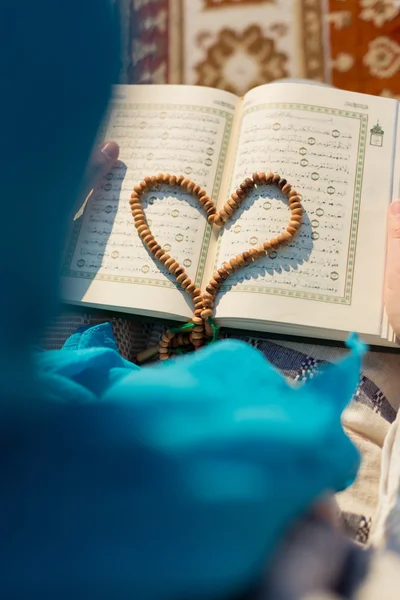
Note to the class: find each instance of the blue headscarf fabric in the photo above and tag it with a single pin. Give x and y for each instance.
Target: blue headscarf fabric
(167, 482)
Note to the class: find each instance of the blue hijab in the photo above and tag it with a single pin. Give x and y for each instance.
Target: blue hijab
(167, 482)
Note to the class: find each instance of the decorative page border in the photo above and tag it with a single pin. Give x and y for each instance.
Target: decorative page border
(67, 271)
(362, 141)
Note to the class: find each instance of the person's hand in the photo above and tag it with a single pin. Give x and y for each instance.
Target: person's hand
(392, 285)
(101, 162)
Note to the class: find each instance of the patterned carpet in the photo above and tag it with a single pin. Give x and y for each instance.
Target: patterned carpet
(237, 44)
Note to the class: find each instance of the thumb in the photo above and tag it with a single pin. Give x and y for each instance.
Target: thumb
(392, 286)
(101, 162)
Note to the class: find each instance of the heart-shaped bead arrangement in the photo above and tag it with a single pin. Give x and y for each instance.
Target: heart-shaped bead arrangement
(201, 329)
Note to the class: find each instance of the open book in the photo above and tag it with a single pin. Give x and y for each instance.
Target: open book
(339, 150)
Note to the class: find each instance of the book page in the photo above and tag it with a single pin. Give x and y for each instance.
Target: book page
(337, 150)
(181, 130)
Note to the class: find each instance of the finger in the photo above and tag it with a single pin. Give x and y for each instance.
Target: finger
(328, 510)
(101, 162)
(392, 285)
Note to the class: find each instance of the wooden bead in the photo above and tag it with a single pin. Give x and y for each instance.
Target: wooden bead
(142, 228)
(284, 237)
(140, 220)
(295, 205)
(206, 313)
(148, 182)
(201, 194)
(211, 290)
(147, 239)
(240, 260)
(205, 199)
(196, 190)
(297, 211)
(179, 180)
(247, 185)
(253, 253)
(165, 178)
(294, 200)
(233, 204)
(281, 183)
(197, 320)
(256, 178)
(275, 244)
(139, 189)
(172, 180)
(190, 187)
(218, 221)
(159, 254)
(197, 343)
(241, 194)
(173, 268)
(223, 215)
(169, 261)
(228, 267)
(223, 274)
(208, 296)
(181, 278)
(199, 328)
(208, 330)
(179, 271)
(209, 206)
(213, 283)
(270, 177)
(262, 178)
(286, 188)
(155, 248)
(267, 247)
(164, 258)
(295, 224)
(298, 218)
(260, 250)
(185, 183)
(292, 192)
(276, 179)
(247, 257)
(136, 210)
(229, 210)
(235, 198)
(186, 282)
(191, 288)
(292, 230)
